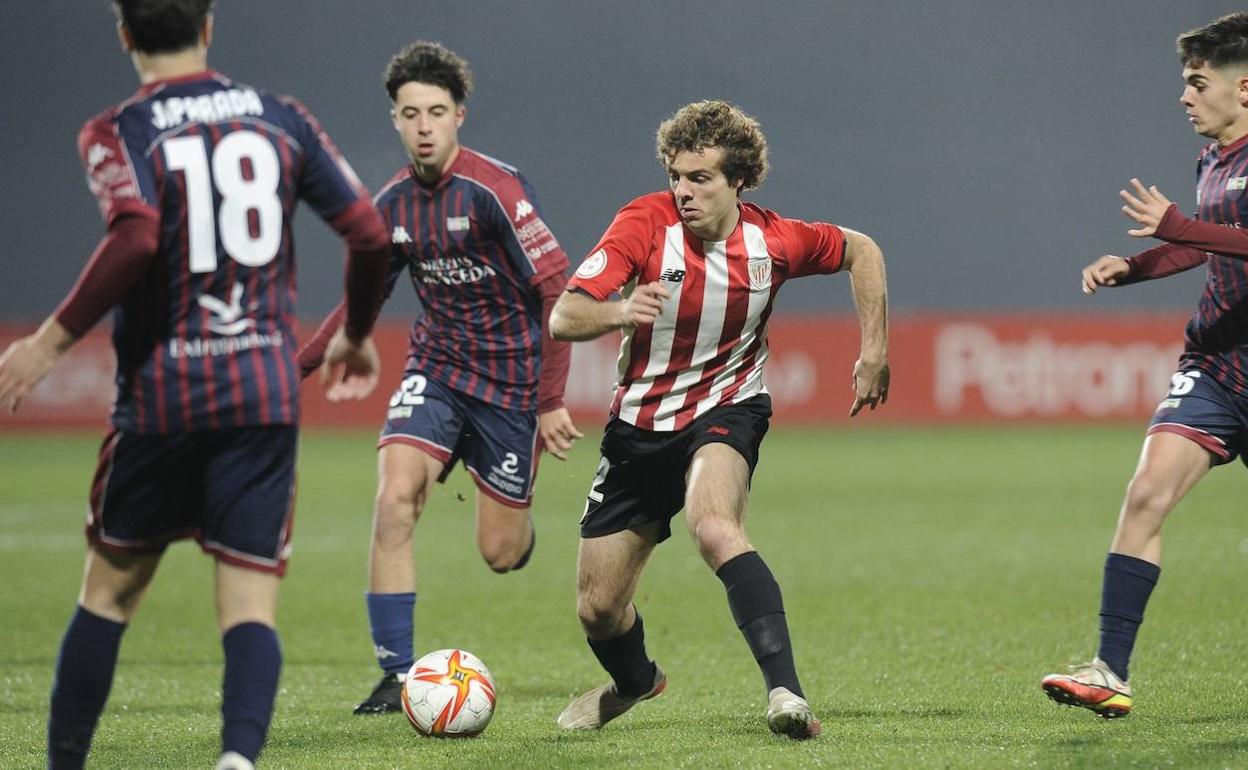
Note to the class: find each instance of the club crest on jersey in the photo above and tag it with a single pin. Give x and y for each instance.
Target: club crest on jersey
(1237, 183)
(523, 209)
(593, 265)
(400, 235)
(760, 272)
(457, 224)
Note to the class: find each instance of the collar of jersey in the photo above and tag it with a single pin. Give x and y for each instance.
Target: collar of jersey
(443, 180)
(207, 74)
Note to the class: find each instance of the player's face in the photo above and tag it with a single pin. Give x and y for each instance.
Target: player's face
(1216, 101)
(428, 120)
(705, 198)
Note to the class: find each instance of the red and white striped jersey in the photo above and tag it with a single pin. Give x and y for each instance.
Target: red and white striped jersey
(709, 344)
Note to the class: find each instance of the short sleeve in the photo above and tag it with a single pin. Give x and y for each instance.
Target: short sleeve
(619, 255)
(812, 248)
(120, 186)
(327, 182)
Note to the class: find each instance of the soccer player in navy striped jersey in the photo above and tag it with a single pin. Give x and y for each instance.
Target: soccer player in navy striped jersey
(1203, 421)
(197, 177)
(484, 382)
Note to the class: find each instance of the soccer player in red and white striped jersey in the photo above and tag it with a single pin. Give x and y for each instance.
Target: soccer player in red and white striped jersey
(699, 270)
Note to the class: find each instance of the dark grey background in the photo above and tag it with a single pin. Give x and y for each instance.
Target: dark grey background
(981, 142)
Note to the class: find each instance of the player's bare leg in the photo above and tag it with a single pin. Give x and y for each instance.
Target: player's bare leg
(716, 492)
(505, 535)
(608, 570)
(405, 476)
(113, 585)
(247, 616)
(1170, 466)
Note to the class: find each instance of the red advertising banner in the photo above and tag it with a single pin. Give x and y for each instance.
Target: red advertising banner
(945, 368)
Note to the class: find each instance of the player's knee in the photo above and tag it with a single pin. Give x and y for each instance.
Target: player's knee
(599, 619)
(715, 535)
(1148, 497)
(397, 509)
(502, 552)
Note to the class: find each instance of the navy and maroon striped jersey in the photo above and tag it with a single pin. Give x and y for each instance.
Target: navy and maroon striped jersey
(476, 247)
(205, 339)
(1217, 335)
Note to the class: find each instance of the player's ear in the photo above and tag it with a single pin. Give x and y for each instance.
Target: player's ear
(460, 112)
(123, 35)
(394, 119)
(205, 34)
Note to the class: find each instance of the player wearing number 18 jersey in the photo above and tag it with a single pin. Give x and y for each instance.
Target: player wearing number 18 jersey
(197, 178)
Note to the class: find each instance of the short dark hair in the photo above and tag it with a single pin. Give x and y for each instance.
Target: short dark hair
(702, 125)
(163, 26)
(430, 63)
(1222, 42)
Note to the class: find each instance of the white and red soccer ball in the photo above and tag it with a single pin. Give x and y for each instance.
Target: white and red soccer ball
(449, 693)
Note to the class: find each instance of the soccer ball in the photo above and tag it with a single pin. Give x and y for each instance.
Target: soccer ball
(449, 693)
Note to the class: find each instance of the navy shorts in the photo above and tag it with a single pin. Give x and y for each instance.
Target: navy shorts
(499, 447)
(1199, 408)
(641, 474)
(233, 490)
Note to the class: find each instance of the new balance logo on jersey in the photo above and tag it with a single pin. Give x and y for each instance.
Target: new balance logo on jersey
(400, 235)
(227, 320)
(523, 209)
(1237, 183)
(672, 275)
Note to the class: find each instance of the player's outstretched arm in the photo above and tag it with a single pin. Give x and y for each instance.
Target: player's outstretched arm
(28, 360)
(577, 317)
(865, 263)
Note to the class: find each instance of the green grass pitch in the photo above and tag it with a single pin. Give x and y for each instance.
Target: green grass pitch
(931, 577)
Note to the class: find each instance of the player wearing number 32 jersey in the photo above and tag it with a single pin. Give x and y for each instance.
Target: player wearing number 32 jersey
(197, 177)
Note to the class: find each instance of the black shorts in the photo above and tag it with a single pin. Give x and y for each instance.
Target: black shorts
(233, 490)
(641, 475)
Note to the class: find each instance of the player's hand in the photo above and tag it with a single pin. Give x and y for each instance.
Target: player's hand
(23, 365)
(1105, 271)
(1145, 205)
(351, 370)
(870, 384)
(558, 432)
(644, 305)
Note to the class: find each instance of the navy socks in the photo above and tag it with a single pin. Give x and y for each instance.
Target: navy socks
(1127, 585)
(84, 675)
(253, 661)
(390, 618)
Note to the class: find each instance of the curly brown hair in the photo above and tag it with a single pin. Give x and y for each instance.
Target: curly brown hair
(430, 63)
(702, 125)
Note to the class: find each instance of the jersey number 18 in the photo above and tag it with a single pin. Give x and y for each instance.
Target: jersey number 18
(240, 196)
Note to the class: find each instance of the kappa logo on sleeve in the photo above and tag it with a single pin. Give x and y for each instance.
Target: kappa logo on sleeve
(593, 265)
(523, 209)
(96, 155)
(400, 235)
